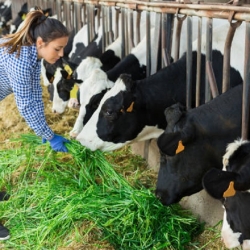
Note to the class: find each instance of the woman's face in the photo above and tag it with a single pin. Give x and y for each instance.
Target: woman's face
(51, 51)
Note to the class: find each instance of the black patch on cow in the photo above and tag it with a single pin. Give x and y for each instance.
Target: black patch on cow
(129, 65)
(109, 60)
(93, 104)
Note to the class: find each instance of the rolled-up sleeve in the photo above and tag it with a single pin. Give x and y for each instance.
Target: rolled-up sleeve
(24, 77)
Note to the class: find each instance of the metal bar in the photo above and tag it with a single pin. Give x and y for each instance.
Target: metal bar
(103, 28)
(164, 5)
(110, 25)
(131, 29)
(209, 39)
(198, 64)
(227, 54)
(178, 36)
(148, 43)
(123, 32)
(189, 64)
(127, 51)
(246, 87)
(138, 27)
(211, 79)
(156, 48)
(167, 34)
(117, 21)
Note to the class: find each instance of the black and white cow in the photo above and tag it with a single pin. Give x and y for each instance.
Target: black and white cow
(194, 142)
(107, 60)
(5, 11)
(64, 83)
(92, 93)
(19, 18)
(134, 110)
(232, 186)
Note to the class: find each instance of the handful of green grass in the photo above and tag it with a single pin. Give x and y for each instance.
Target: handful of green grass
(57, 199)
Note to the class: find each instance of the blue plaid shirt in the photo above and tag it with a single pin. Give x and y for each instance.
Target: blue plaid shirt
(21, 76)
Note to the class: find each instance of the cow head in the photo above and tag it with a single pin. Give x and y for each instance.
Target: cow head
(117, 121)
(194, 142)
(177, 144)
(232, 186)
(63, 83)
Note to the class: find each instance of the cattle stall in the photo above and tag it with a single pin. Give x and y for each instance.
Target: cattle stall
(177, 24)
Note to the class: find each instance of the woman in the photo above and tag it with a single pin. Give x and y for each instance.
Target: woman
(20, 69)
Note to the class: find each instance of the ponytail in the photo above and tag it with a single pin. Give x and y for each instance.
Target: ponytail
(35, 25)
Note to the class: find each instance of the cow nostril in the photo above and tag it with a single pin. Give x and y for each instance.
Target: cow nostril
(54, 111)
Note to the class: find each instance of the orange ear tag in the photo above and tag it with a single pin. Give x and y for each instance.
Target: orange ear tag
(230, 191)
(130, 108)
(180, 147)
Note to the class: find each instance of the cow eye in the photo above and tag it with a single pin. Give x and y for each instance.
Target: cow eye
(110, 115)
(109, 112)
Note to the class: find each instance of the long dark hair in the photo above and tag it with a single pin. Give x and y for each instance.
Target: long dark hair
(35, 25)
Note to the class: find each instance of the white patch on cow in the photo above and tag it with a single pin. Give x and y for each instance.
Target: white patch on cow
(58, 104)
(140, 50)
(88, 136)
(12, 28)
(80, 37)
(116, 46)
(231, 148)
(96, 83)
(246, 245)
(43, 74)
(86, 66)
(229, 237)
(7, 3)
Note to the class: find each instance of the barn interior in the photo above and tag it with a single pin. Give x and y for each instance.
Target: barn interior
(176, 25)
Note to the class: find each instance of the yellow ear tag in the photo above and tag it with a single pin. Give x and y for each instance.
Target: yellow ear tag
(23, 16)
(230, 191)
(68, 69)
(130, 108)
(180, 147)
(73, 92)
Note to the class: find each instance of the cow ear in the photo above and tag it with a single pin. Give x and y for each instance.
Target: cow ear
(173, 114)
(127, 80)
(78, 81)
(168, 143)
(218, 183)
